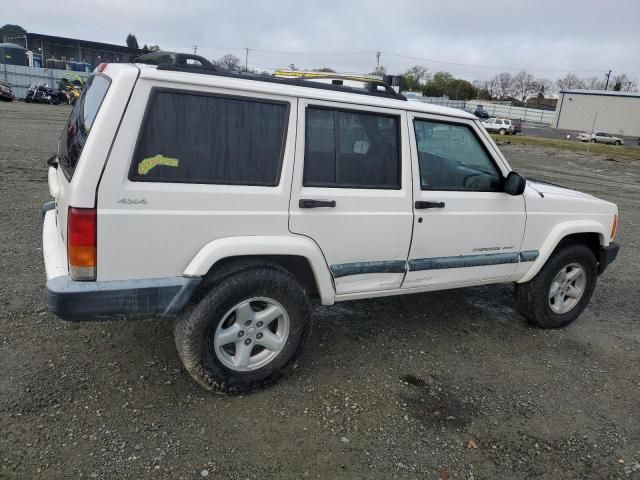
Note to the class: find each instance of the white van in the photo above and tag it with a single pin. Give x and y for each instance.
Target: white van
(235, 201)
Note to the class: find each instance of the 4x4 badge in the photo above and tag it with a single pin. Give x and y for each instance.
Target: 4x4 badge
(133, 201)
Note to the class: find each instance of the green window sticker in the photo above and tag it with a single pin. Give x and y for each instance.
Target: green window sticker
(147, 164)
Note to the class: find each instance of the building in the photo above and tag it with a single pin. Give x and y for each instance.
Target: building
(52, 48)
(617, 113)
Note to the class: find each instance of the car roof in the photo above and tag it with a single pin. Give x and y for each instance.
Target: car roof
(255, 85)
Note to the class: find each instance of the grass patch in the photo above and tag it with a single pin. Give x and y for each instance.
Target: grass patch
(609, 151)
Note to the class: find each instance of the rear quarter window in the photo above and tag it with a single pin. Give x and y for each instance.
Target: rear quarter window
(78, 127)
(193, 137)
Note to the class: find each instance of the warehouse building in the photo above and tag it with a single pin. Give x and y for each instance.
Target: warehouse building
(617, 113)
(56, 49)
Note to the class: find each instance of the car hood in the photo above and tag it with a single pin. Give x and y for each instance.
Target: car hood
(548, 188)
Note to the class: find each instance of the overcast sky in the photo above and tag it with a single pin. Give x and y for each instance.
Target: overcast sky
(479, 38)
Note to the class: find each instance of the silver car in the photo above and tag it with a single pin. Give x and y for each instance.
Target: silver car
(601, 137)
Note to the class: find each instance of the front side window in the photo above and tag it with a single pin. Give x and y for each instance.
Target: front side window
(188, 137)
(351, 149)
(451, 157)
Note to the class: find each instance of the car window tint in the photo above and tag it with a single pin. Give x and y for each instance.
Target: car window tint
(200, 138)
(452, 158)
(351, 149)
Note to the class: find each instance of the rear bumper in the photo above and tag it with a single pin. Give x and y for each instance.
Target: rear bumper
(72, 300)
(606, 255)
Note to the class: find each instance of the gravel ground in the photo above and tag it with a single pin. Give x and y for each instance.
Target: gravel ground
(449, 385)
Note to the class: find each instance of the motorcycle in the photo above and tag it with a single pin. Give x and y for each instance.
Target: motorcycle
(70, 89)
(39, 92)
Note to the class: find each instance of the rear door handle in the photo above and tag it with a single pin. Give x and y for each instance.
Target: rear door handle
(421, 205)
(310, 203)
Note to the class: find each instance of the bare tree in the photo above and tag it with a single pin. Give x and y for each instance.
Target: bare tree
(502, 84)
(228, 62)
(380, 71)
(524, 85)
(594, 83)
(570, 82)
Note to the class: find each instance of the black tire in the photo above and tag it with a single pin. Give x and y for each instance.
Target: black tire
(532, 298)
(194, 329)
(593, 140)
(617, 143)
(502, 131)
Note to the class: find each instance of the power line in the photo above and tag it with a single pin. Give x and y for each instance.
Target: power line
(407, 57)
(476, 65)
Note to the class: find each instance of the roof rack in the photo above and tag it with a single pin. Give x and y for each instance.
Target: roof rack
(186, 62)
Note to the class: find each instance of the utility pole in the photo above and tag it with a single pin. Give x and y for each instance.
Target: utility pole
(195, 49)
(608, 75)
(377, 59)
(246, 59)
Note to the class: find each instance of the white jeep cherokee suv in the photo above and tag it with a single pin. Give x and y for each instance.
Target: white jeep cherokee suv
(233, 201)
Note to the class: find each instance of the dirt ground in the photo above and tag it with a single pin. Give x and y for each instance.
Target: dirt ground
(443, 385)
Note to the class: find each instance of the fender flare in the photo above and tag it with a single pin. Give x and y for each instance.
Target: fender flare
(301, 246)
(557, 234)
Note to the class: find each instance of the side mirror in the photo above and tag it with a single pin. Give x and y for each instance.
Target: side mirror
(514, 184)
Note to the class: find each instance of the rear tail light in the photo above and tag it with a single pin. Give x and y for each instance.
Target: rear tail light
(614, 227)
(81, 243)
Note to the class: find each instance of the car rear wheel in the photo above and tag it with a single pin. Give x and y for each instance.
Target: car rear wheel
(246, 331)
(559, 293)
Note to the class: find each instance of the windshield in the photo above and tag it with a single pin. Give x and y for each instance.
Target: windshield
(76, 132)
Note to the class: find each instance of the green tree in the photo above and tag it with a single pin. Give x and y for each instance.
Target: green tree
(132, 41)
(414, 77)
(10, 32)
(437, 85)
(324, 69)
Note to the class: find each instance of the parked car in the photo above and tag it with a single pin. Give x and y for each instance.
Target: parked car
(503, 126)
(6, 93)
(235, 202)
(600, 137)
(480, 112)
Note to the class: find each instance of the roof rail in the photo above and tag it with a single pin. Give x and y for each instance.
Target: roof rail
(185, 62)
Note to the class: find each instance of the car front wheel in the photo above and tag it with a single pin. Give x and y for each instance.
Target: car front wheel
(593, 140)
(559, 293)
(246, 331)
(502, 131)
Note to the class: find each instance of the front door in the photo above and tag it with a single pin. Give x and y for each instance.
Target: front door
(351, 192)
(467, 230)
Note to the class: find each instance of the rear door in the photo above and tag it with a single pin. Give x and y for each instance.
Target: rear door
(351, 192)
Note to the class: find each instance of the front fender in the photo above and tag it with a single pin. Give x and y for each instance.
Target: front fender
(556, 235)
(301, 246)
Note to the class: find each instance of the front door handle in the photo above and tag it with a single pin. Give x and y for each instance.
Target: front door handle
(309, 203)
(421, 205)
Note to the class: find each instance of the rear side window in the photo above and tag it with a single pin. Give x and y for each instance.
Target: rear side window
(80, 122)
(188, 137)
(351, 149)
